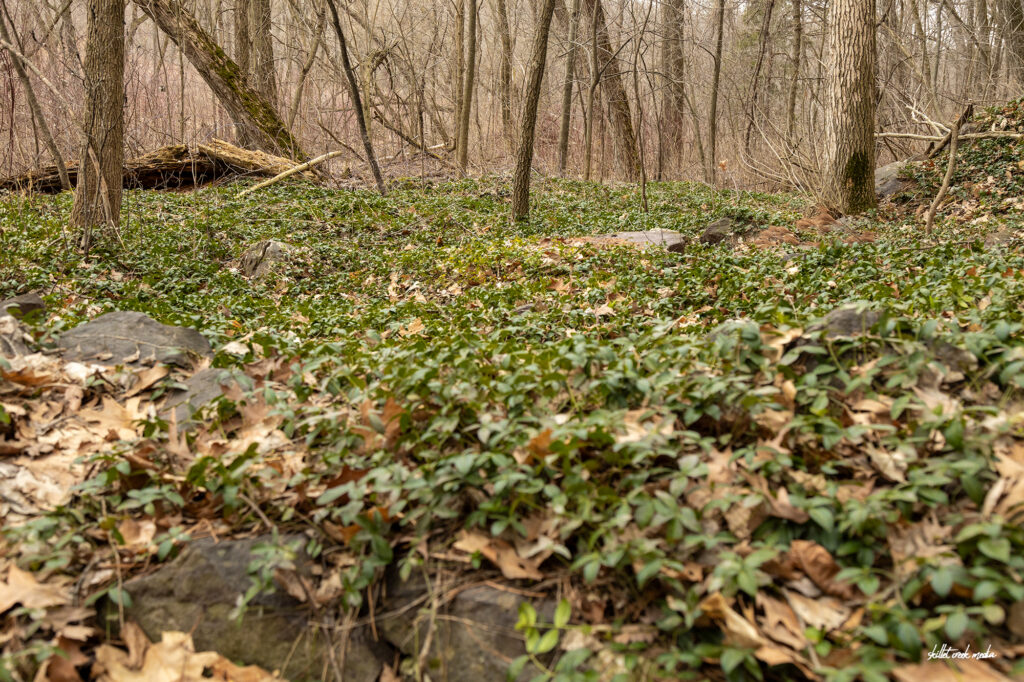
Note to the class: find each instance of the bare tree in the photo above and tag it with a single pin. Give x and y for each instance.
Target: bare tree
(570, 77)
(357, 102)
(98, 195)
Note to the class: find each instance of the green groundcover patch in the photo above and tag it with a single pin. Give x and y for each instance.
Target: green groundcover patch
(716, 478)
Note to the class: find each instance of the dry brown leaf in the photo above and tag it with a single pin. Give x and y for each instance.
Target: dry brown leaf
(780, 622)
(413, 328)
(500, 553)
(147, 378)
(21, 587)
(115, 421)
(738, 630)
(923, 540)
(823, 613)
(62, 668)
(138, 535)
(643, 423)
(818, 564)
(174, 659)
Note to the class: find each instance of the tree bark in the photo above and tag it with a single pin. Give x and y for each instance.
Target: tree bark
(33, 104)
(570, 76)
(849, 182)
(709, 172)
(505, 68)
(524, 154)
(462, 140)
(245, 106)
(264, 79)
(674, 68)
(98, 195)
(795, 56)
(357, 101)
(614, 93)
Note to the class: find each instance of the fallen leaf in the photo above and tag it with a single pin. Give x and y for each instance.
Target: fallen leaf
(818, 564)
(948, 671)
(22, 588)
(500, 553)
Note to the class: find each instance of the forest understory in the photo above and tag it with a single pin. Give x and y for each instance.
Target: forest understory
(787, 447)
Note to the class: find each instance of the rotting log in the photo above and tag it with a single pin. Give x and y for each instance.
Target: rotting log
(171, 167)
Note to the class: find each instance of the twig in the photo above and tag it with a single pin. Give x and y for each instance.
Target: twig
(290, 172)
(954, 141)
(954, 131)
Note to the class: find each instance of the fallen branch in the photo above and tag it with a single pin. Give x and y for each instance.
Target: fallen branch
(290, 172)
(955, 130)
(954, 136)
(992, 134)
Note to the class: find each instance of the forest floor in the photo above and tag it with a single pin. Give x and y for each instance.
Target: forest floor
(708, 475)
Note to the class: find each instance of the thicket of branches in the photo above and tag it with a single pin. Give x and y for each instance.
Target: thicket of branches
(724, 90)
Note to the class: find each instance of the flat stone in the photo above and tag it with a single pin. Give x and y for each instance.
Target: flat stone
(668, 239)
(202, 387)
(22, 305)
(475, 641)
(131, 338)
(197, 591)
(259, 260)
(847, 321)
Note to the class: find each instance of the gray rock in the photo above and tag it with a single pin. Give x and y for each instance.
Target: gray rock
(888, 180)
(738, 327)
(198, 590)
(22, 305)
(672, 241)
(1000, 237)
(847, 321)
(131, 338)
(474, 641)
(202, 387)
(718, 231)
(259, 260)
(13, 337)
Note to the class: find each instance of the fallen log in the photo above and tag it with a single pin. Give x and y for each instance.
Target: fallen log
(171, 167)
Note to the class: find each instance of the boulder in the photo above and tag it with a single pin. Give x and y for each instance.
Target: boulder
(847, 321)
(668, 239)
(131, 338)
(197, 591)
(202, 387)
(22, 305)
(475, 639)
(718, 231)
(259, 260)
(888, 181)
(13, 338)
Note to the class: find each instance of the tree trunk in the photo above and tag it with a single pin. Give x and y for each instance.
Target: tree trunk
(849, 182)
(709, 172)
(264, 80)
(570, 75)
(357, 102)
(795, 56)
(242, 37)
(524, 155)
(98, 195)
(33, 105)
(462, 140)
(245, 106)
(674, 68)
(755, 79)
(505, 68)
(614, 93)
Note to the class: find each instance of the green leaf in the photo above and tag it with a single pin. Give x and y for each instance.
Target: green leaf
(515, 668)
(996, 548)
(956, 625)
(942, 581)
(732, 658)
(548, 642)
(562, 613)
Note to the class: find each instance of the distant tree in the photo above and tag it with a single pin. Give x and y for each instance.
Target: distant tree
(101, 166)
(524, 153)
(849, 181)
